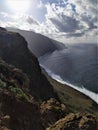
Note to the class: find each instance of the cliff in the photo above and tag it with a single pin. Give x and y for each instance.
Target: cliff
(22, 82)
(38, 43)
(14, 50)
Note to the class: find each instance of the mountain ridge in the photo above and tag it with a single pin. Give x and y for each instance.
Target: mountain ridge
(38, 43)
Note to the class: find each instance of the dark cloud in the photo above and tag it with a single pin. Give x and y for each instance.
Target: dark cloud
(66, 23)
(93, 2)
(75, 34)
(89, 21)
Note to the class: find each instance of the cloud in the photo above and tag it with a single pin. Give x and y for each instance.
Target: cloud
(21, 21)
(66, 24)
(73, 20)
(28, 19)
(40, 4)
(66, 20)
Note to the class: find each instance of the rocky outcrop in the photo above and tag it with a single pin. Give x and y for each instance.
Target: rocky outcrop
(14, 50)
(51, 111)
(77, 121)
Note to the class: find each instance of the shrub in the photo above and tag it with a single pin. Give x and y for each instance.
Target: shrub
(18, 92)
(2, 84)
(3, 68)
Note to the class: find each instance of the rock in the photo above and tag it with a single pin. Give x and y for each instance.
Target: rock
(4, 128)
(6, 120)
(77, 121)
(51, 111)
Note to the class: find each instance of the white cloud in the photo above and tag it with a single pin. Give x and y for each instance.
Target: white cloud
(21, 21)
(74, 21)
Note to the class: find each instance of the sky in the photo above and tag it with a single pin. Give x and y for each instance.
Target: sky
(68, 21)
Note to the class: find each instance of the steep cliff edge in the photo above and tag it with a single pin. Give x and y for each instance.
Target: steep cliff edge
(14, 50)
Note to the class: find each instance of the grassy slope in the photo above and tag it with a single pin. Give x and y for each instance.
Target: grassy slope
(73, 99)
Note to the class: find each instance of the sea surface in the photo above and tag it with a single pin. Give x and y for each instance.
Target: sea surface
(76, 65)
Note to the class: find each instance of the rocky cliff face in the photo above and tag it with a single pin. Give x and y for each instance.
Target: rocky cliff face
(51, 111)
(14, 50)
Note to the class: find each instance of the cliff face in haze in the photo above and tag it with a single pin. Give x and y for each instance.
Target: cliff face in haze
(14, 50)
(38, 43)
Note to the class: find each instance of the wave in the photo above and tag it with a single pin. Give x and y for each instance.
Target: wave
(83, 90)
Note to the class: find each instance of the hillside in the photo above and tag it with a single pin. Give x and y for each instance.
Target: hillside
(14, 50)
(17, 107)
(22, 82)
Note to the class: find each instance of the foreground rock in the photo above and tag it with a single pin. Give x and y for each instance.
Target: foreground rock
(77, 121)
(51, 111)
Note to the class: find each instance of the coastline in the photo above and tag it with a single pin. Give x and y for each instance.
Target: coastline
(86, 92)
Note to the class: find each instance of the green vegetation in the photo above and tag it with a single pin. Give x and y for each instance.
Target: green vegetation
(18, 93)
(3, 68)
(2, 84)
(56, 108)
(13, 80)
